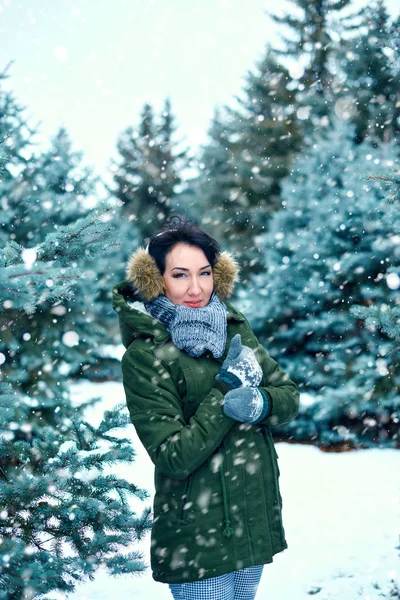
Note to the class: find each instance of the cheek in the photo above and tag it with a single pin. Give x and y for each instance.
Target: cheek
(208, 287)
(174, 287)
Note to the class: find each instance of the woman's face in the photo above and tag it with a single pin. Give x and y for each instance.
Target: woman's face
(188, 276)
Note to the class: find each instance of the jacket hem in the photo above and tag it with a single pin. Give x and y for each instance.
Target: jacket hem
(221, 569)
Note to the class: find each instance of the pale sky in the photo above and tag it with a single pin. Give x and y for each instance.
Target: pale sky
(89, 65)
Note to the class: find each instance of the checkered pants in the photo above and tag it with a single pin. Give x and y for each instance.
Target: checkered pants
(238, 585)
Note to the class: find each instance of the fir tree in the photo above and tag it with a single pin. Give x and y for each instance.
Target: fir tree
(15, 148)
(218, 202)
(327, 250)
(371, 94)
(387, 318)
(311, 44)
(108, 270)
(148, 175)
(63, 513)
(270, 136)
(55, 187)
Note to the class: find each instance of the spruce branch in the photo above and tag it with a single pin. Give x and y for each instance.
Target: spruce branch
(389, 180)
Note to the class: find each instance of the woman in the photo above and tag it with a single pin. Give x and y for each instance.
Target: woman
(201, 392)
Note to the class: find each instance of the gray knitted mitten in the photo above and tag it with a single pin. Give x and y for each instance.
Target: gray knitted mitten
(240, 366)
(247, 404)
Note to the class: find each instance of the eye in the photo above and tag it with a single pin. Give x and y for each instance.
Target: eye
(179, 275)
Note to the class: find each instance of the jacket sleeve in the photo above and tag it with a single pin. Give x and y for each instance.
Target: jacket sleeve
(282, 392)
(175, 448)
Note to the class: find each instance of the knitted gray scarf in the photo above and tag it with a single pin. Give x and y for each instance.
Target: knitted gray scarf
(194, 330)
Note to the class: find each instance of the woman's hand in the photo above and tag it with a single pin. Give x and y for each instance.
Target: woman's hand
(240, 368)
(247, 405)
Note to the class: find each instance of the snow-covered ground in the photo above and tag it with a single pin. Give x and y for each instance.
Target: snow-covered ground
(341, 514)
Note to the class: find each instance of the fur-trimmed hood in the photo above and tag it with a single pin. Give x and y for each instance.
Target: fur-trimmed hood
(144, 282)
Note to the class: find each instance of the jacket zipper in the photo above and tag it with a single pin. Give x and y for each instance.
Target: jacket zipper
(185, 498)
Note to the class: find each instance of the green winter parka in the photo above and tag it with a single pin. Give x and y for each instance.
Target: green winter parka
(213, 474)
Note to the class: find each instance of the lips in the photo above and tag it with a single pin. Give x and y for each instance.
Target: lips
(193, 304)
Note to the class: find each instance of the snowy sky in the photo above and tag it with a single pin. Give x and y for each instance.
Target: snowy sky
(91, 64)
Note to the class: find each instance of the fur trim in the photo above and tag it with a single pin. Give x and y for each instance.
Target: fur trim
(225, 273)
(143, 272)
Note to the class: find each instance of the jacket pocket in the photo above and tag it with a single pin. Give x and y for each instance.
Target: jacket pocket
(186, 506)
(198, 380)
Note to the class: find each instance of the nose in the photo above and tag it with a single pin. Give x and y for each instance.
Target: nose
(194, 289)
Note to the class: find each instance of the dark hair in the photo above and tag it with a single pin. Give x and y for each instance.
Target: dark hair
(175, 231)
